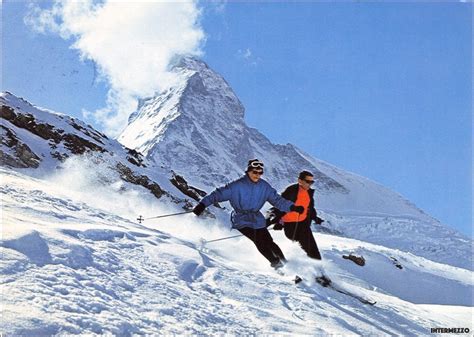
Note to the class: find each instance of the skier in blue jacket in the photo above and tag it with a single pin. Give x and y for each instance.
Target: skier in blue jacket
(247, 195)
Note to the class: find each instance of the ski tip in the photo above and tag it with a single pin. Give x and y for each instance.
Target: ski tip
(366, 301)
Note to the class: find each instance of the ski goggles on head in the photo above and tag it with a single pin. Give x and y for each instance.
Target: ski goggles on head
(256, 164)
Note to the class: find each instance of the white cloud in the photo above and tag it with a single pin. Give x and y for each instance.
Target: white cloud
(248, 56)
(132, 44)
(247, 53)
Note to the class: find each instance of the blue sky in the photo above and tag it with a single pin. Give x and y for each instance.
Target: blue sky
(380, 89)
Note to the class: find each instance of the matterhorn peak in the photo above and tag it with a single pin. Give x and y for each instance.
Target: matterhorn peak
(191, 63)
(197, 128)
(187, 120)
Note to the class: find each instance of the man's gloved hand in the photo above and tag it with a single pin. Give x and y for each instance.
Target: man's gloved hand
(318, 220)
(297, 209)
(199, 209)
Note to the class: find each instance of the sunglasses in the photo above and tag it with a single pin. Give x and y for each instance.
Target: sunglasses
(310, 182)
(256, 164)
(257, 172)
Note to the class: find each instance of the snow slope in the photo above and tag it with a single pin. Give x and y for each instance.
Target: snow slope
(74, 261)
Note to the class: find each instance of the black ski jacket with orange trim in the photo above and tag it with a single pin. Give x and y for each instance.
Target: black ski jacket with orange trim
(291, 193)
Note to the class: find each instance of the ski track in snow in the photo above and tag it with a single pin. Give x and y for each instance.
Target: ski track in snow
(70, 268)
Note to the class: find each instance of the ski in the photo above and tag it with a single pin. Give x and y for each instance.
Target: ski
(327, 283)
(357, 297)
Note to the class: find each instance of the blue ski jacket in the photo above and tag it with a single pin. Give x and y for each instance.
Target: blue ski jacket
(247, 198)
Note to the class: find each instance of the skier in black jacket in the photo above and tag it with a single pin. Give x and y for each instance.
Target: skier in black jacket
(297, 226)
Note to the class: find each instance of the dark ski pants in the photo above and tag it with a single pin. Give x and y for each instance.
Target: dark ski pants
(301, 232)
(264, 242)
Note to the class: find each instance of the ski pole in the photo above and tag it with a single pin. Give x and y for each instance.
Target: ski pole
(296, 227)
(141, 219)
(228, 237)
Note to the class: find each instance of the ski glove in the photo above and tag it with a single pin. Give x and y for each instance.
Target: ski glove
(297, 209)
(318, 220)
(199, 209)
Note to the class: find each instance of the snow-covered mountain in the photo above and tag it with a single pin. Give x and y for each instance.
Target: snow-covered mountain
(197, 129)
(42, 142)
(74, 261)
